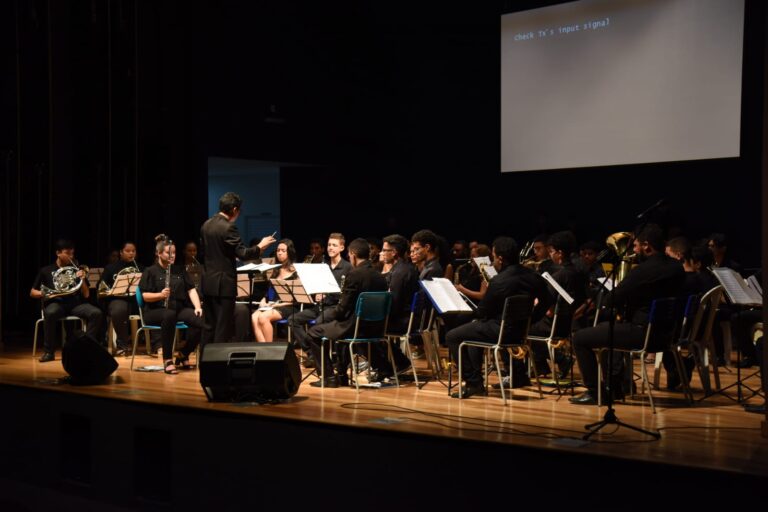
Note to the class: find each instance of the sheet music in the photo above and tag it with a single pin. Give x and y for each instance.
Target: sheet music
(753, 283)
(243, 285)
(608, 283)
(444, 296)
(123, 286)
(261, 267)
(559, 289)
(317, 278)
(290, 290)
(736, 288)
(482, 260)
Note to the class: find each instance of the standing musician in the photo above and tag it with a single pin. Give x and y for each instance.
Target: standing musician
(119, 308)
(65, 299)
(262, 319)
(170, 297)
(221, 243)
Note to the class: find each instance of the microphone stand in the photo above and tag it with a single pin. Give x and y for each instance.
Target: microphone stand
(610, 418)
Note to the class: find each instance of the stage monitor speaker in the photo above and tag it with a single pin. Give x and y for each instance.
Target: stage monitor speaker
(86, 361)
(249, 372)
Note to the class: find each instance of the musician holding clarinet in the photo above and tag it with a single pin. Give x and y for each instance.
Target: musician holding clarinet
(170, 296)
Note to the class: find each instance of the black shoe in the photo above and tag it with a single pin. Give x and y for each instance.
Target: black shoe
(586, 398)
(46, 357)
(470, 390)
(330, 382)
(747, 362)
(756, 408)
(564, 364)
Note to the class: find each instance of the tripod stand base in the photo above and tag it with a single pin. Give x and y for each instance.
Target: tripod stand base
(611, 419)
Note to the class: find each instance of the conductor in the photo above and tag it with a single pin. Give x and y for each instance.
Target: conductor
(221, 243)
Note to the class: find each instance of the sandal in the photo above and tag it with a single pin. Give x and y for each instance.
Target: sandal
(170, 369)
(183, 362)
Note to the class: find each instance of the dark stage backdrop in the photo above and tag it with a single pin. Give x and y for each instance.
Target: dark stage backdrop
(390, 111)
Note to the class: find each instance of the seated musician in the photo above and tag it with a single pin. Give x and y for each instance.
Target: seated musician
(403, 283)
(262, 319)
(512, 279)
(119, 308)
(573, 280)
(325, 307)
(62, 302)
(656, 276)
(362, 278)
(468, 278)
(170, 297)
(193, 267)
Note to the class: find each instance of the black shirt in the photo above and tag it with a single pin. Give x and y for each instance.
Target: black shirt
(657, 277)
(431, 269)
(514, 280)
(153, 281)
(341, 270)
(403, 282)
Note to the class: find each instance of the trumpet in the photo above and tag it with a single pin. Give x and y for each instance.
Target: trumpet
(525, 252)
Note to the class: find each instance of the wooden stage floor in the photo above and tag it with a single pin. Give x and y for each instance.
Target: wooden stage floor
(712, 434)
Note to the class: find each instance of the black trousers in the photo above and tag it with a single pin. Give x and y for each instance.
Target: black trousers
(219, 315)
(298, 320)
(166, 319)
(472, 365)
(55, 311)
(119, 310)
(625, 336)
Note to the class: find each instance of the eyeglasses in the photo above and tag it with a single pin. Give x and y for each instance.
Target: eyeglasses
(387, 250)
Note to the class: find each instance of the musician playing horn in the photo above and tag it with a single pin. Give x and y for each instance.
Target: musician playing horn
(63, 304)
(119, 308)
(183, 304)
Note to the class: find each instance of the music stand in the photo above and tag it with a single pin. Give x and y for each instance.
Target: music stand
(251, 270)
(610, 418)
(124, 286)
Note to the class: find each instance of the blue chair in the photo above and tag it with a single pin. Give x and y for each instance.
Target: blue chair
(683, 342)
(513, 334)
(371, 308)
(416, 322)
(146, 328)
(663, 319)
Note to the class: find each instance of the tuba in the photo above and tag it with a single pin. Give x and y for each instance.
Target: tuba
(65, 281)
(620, 244)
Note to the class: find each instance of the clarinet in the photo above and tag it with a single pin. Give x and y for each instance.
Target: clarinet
(168, 273)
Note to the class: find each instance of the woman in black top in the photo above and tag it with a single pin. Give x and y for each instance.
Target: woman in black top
(120, 307)
(182, 305)
(263, 317)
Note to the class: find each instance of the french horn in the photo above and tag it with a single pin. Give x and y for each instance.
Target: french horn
(65, 282)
